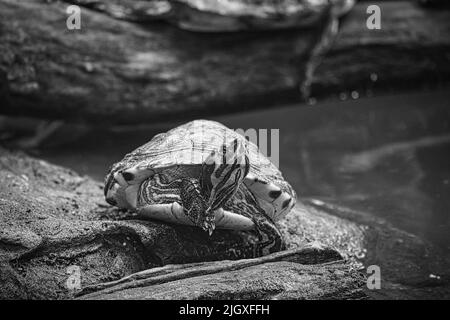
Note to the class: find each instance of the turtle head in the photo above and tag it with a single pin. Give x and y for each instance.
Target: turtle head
(222, 173)
(208, 221)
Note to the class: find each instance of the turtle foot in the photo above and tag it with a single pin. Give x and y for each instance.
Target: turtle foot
(209, 224)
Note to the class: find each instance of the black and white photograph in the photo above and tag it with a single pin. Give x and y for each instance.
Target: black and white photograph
(240, 152)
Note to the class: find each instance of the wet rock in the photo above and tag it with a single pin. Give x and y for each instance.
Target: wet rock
(409, 50)
(119, 72)
(220, 16)
(53, 220)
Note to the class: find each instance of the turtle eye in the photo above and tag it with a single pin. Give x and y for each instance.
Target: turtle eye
(128, 176)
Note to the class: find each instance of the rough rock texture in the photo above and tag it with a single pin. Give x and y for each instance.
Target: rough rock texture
(121, 72)
(409, 51)
(411, 268)
(282, 275)
(52, 219)
(117, 71)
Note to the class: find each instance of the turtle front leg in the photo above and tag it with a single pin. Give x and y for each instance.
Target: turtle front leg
(180, 201)
(195, 206)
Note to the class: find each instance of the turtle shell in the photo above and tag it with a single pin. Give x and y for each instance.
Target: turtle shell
(222, 15)
(235, 15)
(187, 147)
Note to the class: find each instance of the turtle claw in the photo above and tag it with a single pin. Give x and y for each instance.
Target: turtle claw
(209, 225)
(208, 228)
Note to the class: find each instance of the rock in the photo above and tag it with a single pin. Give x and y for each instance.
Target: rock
(113, 71)
(220, 16)
(51, 220)
(411, 267)
(408, 51)
(119, 72)
(137, 11)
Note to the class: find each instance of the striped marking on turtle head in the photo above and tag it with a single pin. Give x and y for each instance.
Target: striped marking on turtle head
(223, 171)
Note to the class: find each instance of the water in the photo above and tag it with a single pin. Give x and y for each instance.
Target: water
(388, 157)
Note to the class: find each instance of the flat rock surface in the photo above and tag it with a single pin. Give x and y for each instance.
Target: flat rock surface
(51, 219)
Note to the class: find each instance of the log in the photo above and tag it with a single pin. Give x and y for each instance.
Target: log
(118, 72)
(274, 278)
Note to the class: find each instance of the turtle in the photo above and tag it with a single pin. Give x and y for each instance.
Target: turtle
(238, 15)
(222, 15)
(205, 175)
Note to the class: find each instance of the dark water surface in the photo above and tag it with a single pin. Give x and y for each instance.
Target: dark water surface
(387, 157)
